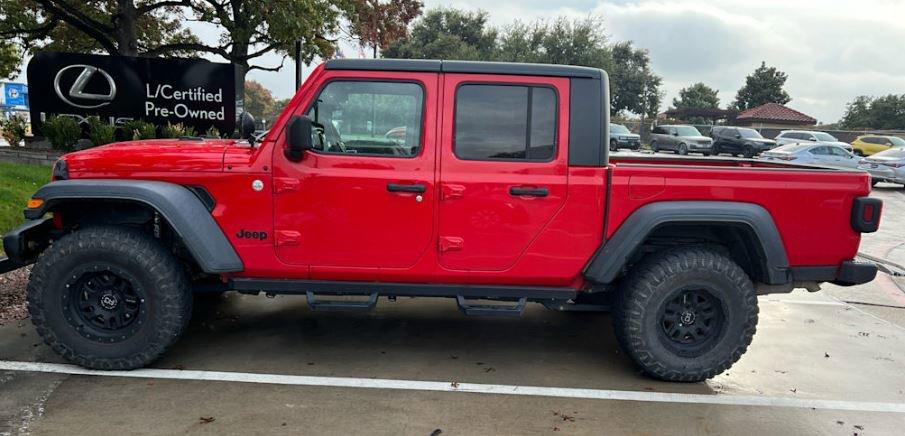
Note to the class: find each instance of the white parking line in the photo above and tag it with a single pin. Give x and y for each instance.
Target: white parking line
(477, 388)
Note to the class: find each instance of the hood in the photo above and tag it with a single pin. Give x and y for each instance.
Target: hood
(153, 155)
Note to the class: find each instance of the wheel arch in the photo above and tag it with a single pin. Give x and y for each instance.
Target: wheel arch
(185, 211)
(747, 232)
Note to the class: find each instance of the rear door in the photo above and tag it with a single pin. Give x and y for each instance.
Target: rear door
(503, 166)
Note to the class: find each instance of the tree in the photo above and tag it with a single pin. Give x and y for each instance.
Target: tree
(251, 28)
(634, 87)
(560, 41)
(447, 34)
(765, 85)
(697, 95)
(258, 99)
(377, 25)
(864, 112)
(454, 34)
(10, 59)
(121, 27)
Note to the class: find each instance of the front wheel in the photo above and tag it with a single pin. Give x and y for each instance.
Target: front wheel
(686, 314)
(109, 298)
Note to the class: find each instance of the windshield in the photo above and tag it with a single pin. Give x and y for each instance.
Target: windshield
(687, 131)
(896, 141)
(619, 129)
(825, 137)
(749, 133)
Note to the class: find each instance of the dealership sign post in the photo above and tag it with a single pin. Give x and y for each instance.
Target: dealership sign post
(194, 92)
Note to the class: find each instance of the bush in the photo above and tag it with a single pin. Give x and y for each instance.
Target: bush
(62, 132)
(13, 129)
(176, 130)
(100, 132)
(138, 129)
(213, 132)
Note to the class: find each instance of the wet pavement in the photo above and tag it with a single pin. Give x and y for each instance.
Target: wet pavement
(841, 344)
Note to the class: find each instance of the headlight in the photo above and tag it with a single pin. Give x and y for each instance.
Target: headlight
(60, 170)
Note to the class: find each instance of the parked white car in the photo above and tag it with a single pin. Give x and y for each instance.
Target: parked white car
(813, 154)
(886, 166)
(795, 136)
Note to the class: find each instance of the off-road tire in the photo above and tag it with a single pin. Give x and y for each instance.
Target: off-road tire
(166, 303)
(651, 285)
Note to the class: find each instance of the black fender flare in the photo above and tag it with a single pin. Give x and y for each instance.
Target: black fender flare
(185, 212)
(615, 253)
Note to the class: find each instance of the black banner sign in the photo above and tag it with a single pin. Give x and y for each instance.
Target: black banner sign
(193, 92)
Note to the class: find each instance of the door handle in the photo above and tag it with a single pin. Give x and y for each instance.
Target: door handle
(398, 187)
(528, 192)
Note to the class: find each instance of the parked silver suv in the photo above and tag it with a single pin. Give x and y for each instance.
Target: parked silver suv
(807, 136)
(682, 139)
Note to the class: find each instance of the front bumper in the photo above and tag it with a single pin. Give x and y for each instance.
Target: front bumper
(632, 144)
(24, 243)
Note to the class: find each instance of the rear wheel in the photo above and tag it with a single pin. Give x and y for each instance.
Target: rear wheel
(654, 147)
(109, 298)
(683, 149)
(686, 314)
(613, 145)
(748, 152)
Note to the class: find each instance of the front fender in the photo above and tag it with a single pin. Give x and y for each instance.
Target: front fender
(181, 208)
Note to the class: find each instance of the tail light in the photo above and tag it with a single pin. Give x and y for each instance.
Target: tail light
(866, 214)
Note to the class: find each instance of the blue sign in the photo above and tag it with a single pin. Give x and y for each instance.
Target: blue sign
(14, 94)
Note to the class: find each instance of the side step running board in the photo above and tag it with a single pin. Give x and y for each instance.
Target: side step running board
(328, 305)
(491, 309)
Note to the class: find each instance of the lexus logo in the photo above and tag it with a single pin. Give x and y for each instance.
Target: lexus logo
(76, 92)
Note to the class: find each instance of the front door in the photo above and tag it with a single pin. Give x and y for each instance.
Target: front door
(503, 167)
(363, 197)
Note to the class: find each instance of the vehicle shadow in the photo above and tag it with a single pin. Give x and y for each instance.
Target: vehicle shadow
(420, 339)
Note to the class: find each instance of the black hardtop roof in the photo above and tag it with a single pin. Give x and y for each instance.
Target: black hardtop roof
(475, 67)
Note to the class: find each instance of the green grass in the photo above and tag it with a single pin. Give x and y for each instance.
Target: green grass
(17, 183)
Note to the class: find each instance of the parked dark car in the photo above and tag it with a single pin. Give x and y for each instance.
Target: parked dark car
(739, 141)
(622, 137)
(682, 139)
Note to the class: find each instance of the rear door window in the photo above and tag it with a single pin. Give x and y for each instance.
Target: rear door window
(505, 122)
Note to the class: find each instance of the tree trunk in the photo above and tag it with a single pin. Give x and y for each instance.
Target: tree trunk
(124, 22)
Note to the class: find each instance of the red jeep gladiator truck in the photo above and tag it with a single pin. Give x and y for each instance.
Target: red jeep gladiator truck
(489, 183)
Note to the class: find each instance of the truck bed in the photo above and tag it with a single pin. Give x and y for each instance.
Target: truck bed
(810, 205)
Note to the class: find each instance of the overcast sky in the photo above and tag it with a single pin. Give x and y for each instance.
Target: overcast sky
(832, 50)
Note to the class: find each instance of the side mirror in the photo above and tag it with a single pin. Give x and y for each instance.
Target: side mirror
(738, 136)
(675, 133)
(247, 126)
(298, 137)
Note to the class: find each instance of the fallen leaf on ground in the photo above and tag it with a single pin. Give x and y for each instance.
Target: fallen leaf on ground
(206, 419)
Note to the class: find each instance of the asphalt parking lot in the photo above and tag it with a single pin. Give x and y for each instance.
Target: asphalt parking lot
(824, 363)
